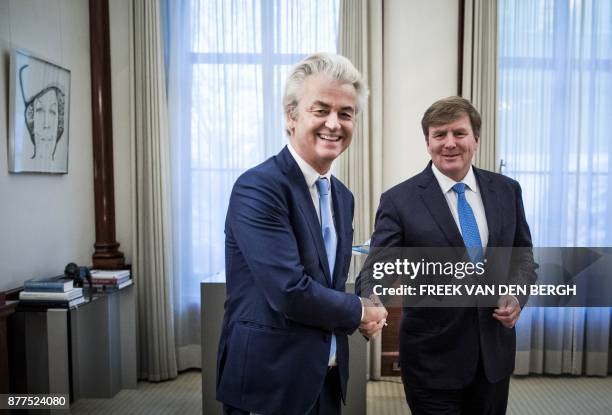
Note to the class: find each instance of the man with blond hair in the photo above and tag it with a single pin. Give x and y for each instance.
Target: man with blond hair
(284, 345)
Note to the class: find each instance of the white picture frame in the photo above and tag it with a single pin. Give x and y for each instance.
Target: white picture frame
(39, 115)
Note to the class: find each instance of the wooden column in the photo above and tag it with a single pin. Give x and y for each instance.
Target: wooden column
(106, 254)
(460, 38)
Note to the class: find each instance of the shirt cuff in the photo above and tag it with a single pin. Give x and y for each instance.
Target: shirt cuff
(362, 309)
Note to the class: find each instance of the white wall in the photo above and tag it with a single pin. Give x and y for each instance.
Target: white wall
(47, 221)
(420, 66)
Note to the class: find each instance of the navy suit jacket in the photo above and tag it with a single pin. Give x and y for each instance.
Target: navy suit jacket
(282, 306)
(440, 347)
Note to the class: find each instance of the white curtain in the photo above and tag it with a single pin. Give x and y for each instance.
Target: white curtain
(151, 207)
(360, 166)
(228, 60)
(479, 82)
(555, 97)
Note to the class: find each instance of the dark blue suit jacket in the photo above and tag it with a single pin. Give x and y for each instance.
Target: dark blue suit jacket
(281, 305)
(440, 347)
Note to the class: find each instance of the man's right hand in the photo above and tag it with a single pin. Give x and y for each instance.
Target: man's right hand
(374, 318)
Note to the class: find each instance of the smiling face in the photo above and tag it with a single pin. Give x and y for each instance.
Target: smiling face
(321, 128)
(452, 147)
(46, 117)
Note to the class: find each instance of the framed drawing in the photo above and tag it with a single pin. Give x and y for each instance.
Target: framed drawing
(39, 115)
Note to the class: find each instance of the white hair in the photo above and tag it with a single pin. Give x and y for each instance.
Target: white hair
(336, 66)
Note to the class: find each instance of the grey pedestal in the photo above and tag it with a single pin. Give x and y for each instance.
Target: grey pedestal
(46, 350)
(41, 349)
(104, 345)
(212, 299)
(88, 351)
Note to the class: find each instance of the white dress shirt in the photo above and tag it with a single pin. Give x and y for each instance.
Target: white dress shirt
(311, 176)
(473, 197)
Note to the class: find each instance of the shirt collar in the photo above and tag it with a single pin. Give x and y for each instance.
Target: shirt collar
(310, 174)
(446, 183)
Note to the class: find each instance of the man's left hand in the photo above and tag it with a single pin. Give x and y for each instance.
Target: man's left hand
(508, 311)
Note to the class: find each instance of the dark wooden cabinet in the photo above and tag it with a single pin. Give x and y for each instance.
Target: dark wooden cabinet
(390, 344)
(6, 310)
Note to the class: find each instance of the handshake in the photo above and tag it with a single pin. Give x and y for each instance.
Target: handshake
(374, 317)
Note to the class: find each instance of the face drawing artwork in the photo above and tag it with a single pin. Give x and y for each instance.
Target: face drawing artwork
(44, 118)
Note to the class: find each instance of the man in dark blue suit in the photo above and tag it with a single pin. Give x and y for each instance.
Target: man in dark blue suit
(284, 345)
(457, 360)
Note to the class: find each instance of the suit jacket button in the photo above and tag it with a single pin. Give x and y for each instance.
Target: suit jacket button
(327, 337)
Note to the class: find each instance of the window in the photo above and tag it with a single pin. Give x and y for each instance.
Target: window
(555, 95)
(227, 62)
(239, 54)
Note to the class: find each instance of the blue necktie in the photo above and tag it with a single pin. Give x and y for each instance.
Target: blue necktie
(329, 236)
(469, 227)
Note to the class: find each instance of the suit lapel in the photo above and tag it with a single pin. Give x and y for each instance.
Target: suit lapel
(304, 203)
(438, 208)
(492, 206)
(341, 224)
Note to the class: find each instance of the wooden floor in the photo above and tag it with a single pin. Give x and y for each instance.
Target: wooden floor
(528, 396)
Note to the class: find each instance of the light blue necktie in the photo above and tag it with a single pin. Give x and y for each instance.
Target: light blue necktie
(329, 236)
(469, 227)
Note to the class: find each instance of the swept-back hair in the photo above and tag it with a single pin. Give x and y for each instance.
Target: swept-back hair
(448, 110)
(336, 66)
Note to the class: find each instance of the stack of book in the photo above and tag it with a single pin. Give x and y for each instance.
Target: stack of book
(110, 279)
(54, 292)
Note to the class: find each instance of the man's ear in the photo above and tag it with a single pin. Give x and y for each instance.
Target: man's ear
(289, 120)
